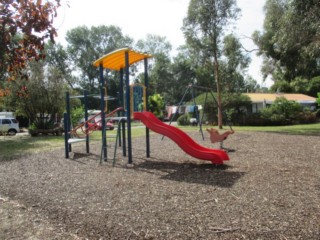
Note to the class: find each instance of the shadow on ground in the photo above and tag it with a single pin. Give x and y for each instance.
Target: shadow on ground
(208, 174)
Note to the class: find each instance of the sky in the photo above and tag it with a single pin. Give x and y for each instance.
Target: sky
(157, 17)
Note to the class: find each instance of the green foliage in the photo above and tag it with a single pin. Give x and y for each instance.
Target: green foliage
(154, 45)
(281, 86)
(206, 22)
(314, 86)
(234, 107)
(39, 98)
(161, 76)
(156, 104)
(282, 112)
(183, 120)
(289, 42)
(298, 85)
(86, 45)
(58, 57)
(33, 126)
(318, 99)
(307, 116)
(77, 114)
(236, 61)
(184, 73)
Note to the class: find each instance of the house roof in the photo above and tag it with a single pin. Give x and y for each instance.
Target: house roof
(271, 97)
(116, 59)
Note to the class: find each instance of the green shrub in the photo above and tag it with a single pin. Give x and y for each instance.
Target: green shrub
(307, 117)
(76, 115)
(184, 120)
(285, 112)
(156, 105)
(282, 112)
(254, 119)
(33, 126)
(233, 106)
(279, 119)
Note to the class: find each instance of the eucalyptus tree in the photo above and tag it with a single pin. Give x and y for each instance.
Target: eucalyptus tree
(234, 65)
(184, 73)
(58, 57)
(85, 45)
(290, 40)
(204, 28)
(160, 77)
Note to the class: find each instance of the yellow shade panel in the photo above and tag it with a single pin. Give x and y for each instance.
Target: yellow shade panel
(116, 59)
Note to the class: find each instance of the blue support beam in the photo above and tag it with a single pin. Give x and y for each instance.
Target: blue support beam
(128, 107)
(103, 118)
(85, 94)
(146, 83)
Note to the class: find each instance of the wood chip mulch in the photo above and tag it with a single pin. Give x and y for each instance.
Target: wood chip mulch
(270, 189)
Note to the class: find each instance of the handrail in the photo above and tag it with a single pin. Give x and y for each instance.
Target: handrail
(88, 130)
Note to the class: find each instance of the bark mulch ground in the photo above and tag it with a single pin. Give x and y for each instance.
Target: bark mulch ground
(270, 189)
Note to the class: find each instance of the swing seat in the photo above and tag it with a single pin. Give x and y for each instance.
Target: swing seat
(215, 136)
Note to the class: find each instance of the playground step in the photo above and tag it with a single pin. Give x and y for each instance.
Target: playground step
(75, 140)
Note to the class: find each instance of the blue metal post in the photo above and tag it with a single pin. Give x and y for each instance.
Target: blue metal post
(66, 137)
(123, 124)
(121, 89)
(103, 119)
(68, 122)
(146, 82)
(128, 107)
(85, 93)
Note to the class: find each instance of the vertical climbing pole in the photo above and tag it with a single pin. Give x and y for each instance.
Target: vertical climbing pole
(128, 106)
(123, 124)
(146, 83)
(68, 122)
(66, 144)
(85, 93)
(103, 118)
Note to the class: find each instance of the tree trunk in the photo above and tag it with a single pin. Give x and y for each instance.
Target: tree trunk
(217, 77)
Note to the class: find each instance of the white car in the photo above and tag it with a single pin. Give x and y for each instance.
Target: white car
(9, 125)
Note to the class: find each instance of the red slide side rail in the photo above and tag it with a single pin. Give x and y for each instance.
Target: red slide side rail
(87, 131)
(183, 140)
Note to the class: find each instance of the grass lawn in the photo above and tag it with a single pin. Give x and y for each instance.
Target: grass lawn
(305, 129)
(24, 144)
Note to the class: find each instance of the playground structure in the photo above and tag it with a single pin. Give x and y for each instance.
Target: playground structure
(133, 105)
(119, 60)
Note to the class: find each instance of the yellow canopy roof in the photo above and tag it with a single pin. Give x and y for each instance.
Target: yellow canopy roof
(116, 59)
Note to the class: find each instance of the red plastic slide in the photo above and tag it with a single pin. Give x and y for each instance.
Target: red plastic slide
(184, 141)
